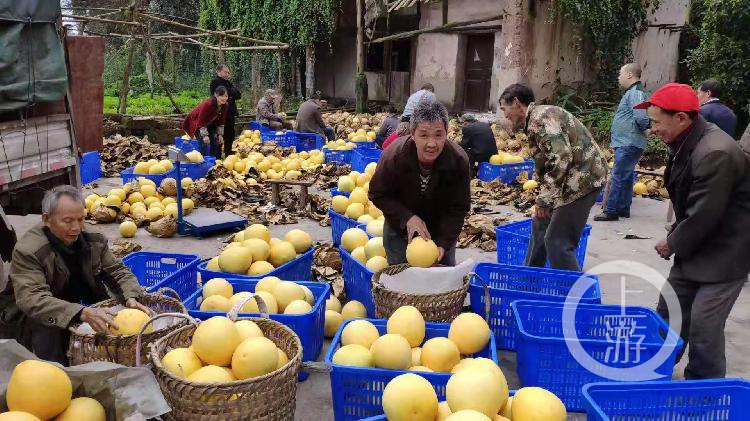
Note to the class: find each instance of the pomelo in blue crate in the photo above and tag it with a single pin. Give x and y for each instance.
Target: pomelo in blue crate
(410, 397)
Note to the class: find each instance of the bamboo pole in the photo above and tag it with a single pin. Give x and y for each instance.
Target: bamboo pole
(95, 19)
(125, 86)
(440, 28)
(147, 43)
(360, 84)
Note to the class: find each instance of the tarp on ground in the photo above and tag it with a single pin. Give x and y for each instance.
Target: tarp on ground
(32, 62)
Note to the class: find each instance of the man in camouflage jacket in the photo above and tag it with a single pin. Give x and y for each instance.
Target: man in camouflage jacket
(571, 171)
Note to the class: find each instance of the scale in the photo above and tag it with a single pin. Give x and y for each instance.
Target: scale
(202, 221)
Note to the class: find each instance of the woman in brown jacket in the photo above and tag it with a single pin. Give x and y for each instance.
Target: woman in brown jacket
(422, 186)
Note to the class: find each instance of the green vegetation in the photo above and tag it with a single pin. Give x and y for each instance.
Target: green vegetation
(147, 104)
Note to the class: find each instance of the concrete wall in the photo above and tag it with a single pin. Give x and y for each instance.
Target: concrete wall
(656, 49)
(335, 71)
(437, 63)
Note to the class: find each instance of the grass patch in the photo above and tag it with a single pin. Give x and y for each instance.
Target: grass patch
(147, 104)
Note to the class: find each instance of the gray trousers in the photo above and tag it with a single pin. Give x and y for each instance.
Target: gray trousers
(557, 238)
(394, 242)
(705, 308)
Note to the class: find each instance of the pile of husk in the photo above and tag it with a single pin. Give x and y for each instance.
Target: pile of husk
(164, 227)
(344, 122)
(495, 193)
(479, 232)
(326, 176)
(121, 248)
(654, 185)
(268, 148)
(327, 267)
(122, 152)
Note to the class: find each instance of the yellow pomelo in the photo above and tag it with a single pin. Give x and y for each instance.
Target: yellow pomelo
(271, 305)
(259, 268)
(39, 388)
(444, 411)
(354, 175)
(375, 228)
(360, 332)
(440, 354)
(186, 182)
(469, 332)
(239, 237)
(359, 255)
(301, 240)
(148, 190)
(374, 212)
(282, 359)
(512, 159)
(119, 193)
(507, 410)
(358, 195)
(17, 416)
(182, 362)
(346, 184)
(154, 213)
(354, 310)
(364, 219)
(410, 397)
(463, 387)
(141, 168)
(468, 415)
(83, 409)
(258, 231)
(135, 197)
(130, 321)
(259, 248)
(363, 179)
(235, 260)
(353, 355)
(408, 322)
(416, 356)
(537, 404)
(640, 188)
(112, 200)
(128, 229)
(376, 264)
(188, 205)
(333, 303)
(333, 321)
(463, 364)
(353, 238)
(286, 292)
(354, 210)
(212, 374)
(339, 204)
(248, 329)
(194, 156)
(374, 247)
(370, 168)
(216, 303)
(281, 253)
(530, 185)
(218, 286)
(167, 200)
(298, 307)
(391, 351)
(213, 264)
(309, 297)
(273, 241)
(167, 164)
(267, 284)
(215, 340)
(254, 357)
(496, 160)
(421, 368)
(422, 253)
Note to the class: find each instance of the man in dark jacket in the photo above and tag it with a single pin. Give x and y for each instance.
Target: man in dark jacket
(478, 140)
(708, 179)
(388, 126)
(422, 186)
(56, 266)
(223, 76)
(310, 119)
(713, 110)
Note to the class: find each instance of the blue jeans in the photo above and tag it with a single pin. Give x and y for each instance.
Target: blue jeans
(621, 182)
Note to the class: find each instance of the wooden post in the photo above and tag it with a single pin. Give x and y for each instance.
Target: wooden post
(360, 87)
(280, 57)
(125, 87)
(445, 12)
(309, 71)
(221, 49)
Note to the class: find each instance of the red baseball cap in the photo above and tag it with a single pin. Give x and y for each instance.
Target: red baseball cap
(673, 97)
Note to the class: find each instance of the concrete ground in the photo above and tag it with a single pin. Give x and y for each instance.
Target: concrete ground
(606, 244)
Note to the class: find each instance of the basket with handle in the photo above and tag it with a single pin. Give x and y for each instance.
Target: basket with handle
(440, 307)
(270, 397)
(88, 347)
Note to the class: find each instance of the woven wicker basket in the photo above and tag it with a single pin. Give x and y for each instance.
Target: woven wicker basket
(266, 398)
(443, 307)
(86, 348)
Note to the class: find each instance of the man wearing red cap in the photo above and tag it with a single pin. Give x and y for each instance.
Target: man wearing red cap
(708, 179)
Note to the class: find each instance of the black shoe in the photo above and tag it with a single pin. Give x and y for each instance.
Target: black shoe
(624, 214)
(604, 216)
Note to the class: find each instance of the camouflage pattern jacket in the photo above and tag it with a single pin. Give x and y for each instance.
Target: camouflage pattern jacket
(569, 163)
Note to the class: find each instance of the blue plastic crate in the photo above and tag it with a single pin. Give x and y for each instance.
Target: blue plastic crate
(159, 270)
(337, 192)
(361, 157)
(339, 224)
(298, 270)
(276, 136)
(91, 167)
(196, 170)
(305, 141)
(714, 399)
(338, 157)
(357, 391)
(507, 173)
(255, 125)
(309, 326)
(544, 357)
(513, 243)
(188, 145)
(357, 281)
(128, 176)
(369, 144)
(507, 283)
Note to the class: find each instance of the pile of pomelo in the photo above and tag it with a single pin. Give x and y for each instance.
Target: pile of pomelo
(40, 391)
(280, 297)
(357, 206)
(336, 314)
(253, 251)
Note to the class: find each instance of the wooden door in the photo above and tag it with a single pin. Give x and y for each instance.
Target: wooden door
(478, 75)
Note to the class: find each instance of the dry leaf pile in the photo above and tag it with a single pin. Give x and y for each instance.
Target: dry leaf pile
(654, 185)
(326, 176)
(121, 248)
(122, 152)
(327, 267)
(344, 122)
(494, 193)
(479, 232)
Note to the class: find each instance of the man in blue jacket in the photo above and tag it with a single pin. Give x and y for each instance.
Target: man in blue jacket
(713, 110)
(628, 142)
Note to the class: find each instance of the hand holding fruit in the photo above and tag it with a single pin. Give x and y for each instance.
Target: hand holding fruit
(416, 226)
(133, 303)
(100, 319)
(206, 140)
